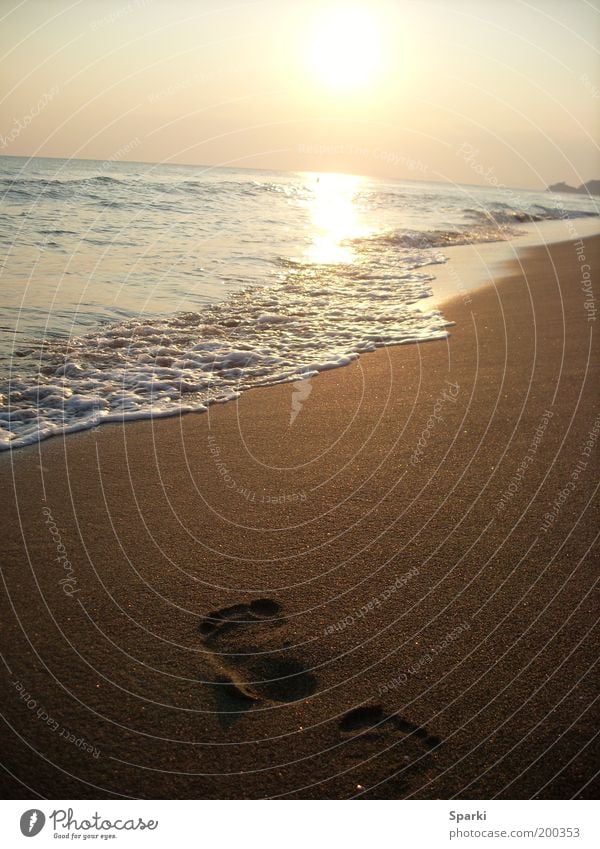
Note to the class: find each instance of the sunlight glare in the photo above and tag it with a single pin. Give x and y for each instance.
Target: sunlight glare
(345, 51)
(334, 217)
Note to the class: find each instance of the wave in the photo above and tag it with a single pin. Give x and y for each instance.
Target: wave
(494, 224)
(503, 214)
(38, 189)
(426, 239)
(257, 337)
(44, 182)
(130, 191)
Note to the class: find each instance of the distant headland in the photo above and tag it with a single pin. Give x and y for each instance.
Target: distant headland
(592, 187)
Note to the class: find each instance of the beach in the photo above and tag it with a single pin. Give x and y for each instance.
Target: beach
(376, 583)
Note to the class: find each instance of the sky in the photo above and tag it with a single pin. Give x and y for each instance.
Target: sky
(500, 92)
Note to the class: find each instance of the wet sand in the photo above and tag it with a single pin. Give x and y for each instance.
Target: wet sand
(390, 596)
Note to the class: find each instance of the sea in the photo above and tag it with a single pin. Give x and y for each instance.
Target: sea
(133, 290)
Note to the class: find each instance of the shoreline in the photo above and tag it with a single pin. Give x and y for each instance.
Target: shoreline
(467, 269)
(295, 626)
(472, 267)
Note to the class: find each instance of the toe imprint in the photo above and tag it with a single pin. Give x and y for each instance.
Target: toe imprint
(239, 614)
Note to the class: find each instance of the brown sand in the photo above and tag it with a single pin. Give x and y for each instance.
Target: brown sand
(465, 632)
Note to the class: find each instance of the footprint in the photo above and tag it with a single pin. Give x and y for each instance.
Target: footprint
(371, 719)
(389, 750)
(250, 659)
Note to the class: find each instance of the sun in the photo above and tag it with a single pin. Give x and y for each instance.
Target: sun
(345, 48)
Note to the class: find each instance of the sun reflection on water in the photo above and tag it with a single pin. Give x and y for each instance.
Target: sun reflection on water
(335, 218)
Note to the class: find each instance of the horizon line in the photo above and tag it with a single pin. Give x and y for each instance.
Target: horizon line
(500, 187)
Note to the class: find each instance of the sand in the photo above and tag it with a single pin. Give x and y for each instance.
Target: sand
(390, 597)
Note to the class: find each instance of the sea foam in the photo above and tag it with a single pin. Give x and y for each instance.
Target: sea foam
(314, 319)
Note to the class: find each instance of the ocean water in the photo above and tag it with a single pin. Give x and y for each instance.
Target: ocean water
(133, 290)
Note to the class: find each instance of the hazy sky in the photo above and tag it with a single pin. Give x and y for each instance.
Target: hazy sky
(464, 90)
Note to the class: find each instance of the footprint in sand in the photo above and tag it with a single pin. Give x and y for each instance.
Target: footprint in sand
(390, 750)
(251, 661)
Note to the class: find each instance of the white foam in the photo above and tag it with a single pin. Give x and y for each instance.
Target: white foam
(315, 320)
